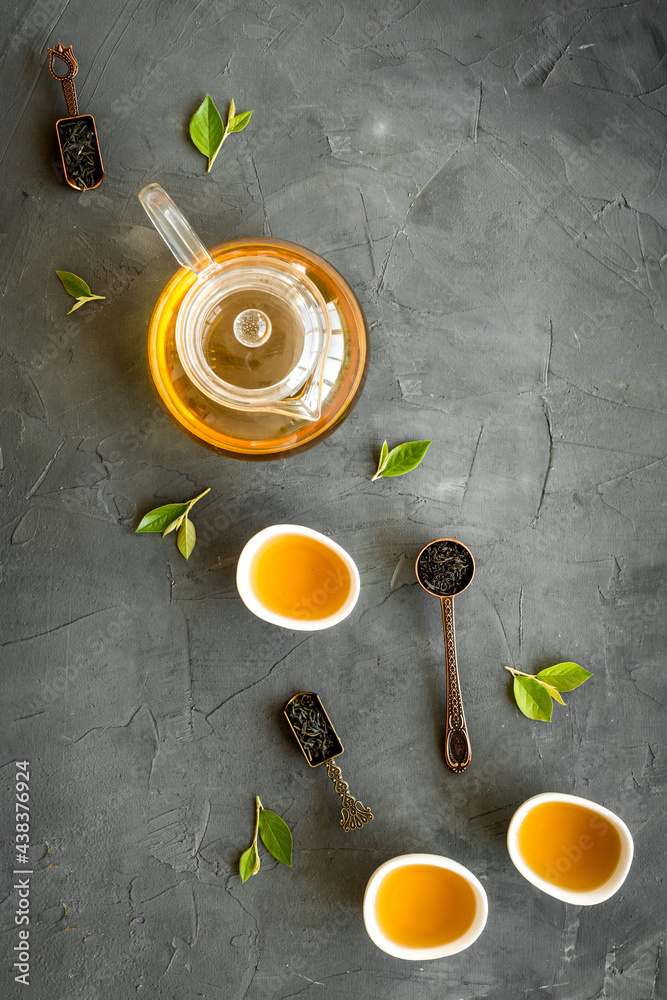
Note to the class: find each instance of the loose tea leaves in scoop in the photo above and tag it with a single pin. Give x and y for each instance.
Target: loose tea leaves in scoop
(312, 727)
(445, 568)
(80, 152)
(320, 744)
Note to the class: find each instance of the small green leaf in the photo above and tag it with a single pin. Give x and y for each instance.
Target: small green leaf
(403, 458)
(74, 285)
(564, 676)
(533, 699)
(384, 451)
(78, 289)
(556, 695)
(81, 301)
(186, 538)
(176, 523)
(161, 518)
(207, 130)
(249, 863)
(206, 127)
(276, 836)
(239, 122)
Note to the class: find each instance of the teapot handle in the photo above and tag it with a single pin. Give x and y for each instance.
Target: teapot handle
(175, 229)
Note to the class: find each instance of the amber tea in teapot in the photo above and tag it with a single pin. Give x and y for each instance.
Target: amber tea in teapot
(257, 348)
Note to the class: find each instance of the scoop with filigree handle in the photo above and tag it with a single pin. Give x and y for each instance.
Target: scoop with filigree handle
(77, 134)
(320, 744)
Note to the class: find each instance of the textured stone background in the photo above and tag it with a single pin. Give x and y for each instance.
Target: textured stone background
(491, 179)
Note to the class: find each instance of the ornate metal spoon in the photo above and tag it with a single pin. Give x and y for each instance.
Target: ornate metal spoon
(77, 135)
(445, 568)
(320, 745)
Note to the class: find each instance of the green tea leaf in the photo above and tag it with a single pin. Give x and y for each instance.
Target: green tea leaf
(206, 129)
(74, 285)
(78, 289)
(174, 517)
(553, 692)
(161, 518)
(533, 699)
(186, 538)
(173, 526)
(384, 452)
(564, 676)
(276, 836)
(239, 122)
(81, 301)
(403, 458)
(249, 863)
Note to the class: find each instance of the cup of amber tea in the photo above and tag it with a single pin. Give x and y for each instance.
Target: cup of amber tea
(296, 577)
(570, 848)
(423, 906)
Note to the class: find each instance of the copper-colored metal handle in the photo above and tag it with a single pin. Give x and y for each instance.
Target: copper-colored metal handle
(66, 82)
(354, 814)
(458, 752)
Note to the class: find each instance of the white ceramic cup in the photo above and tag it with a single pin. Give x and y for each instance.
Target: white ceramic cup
(580, 897)
(251, 599)
(423, 954)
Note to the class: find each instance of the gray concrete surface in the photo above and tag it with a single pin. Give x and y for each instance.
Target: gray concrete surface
(491, 179)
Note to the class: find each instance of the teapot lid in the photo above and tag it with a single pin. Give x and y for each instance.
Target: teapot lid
(252, 333)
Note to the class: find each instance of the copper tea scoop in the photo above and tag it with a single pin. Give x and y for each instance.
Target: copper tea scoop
(77, 135)
(445, 568)
(320, 745)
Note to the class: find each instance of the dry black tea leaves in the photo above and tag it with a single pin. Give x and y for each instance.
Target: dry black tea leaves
(80, 152)
(445, 568)
(312, 728)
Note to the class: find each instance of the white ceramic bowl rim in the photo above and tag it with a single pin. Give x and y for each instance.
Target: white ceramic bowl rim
(299, 624)
(581, 897)
(424, 954)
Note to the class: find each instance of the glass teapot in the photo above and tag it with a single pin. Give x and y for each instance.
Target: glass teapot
(257, 347)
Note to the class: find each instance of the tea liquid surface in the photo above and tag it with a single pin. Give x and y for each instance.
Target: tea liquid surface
(253, 367)
(569, 845)
(423, 906)
(299, 577)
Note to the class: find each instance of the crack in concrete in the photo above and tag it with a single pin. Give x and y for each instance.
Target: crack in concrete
(42, 476)
(57, 628)
(547, 417)
(248, 687)
(95, 729)
(472, 464)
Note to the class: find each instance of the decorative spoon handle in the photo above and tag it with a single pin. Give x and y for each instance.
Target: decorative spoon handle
(457, 742)
(66, 81)
(354, 814)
